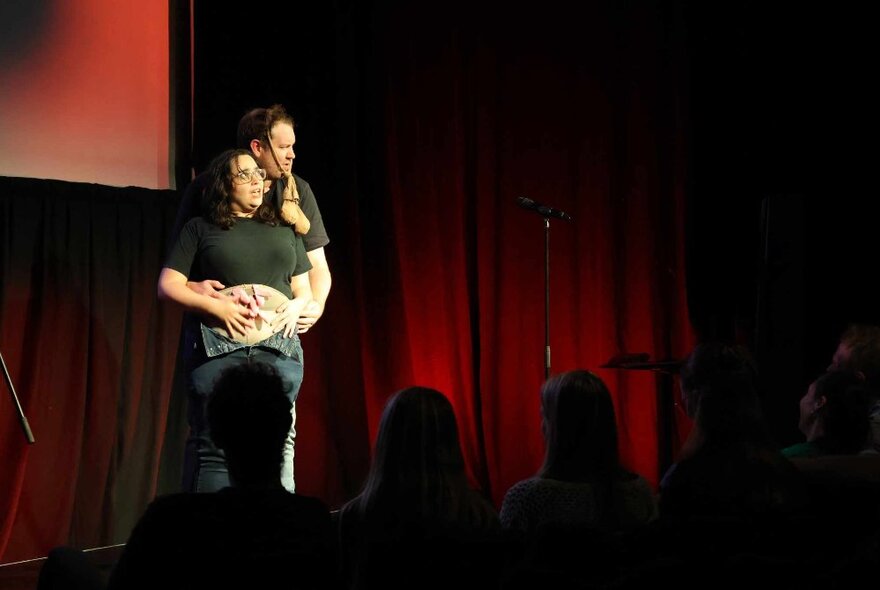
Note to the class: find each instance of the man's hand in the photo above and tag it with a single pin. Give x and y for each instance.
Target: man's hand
(308, 316)
(209, 287)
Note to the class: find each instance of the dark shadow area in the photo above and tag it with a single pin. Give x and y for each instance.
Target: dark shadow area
(21, 28)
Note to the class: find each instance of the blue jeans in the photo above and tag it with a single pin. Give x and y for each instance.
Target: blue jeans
(204, 468)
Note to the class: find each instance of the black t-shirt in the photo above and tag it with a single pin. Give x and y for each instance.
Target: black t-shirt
(248, 252)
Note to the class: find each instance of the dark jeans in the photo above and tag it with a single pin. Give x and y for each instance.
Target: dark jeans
(204, 467)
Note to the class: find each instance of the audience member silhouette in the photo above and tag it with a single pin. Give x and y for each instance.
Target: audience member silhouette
(251, 534)
(731, 484)
(254, 532)
(572, 511)
(581, 483)
(833, 416)
(733, 505)
(841, 463)
(859, 350)
(417, 521)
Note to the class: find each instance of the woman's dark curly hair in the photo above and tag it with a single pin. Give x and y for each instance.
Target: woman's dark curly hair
(217, 198)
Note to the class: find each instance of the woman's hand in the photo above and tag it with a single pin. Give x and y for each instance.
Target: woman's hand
(286, 316)
(289, 312)
(237, 318)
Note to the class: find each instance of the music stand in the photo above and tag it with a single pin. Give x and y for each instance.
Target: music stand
(665, 370)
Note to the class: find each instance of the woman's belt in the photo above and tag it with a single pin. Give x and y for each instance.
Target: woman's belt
(262, 301)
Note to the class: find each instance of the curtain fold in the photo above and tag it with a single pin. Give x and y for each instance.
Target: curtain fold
(86, 343)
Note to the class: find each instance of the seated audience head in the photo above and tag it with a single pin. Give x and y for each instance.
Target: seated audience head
(579, 426)
(834, 412)
(859, 351)
(729, 472)
(249, 418)
(719, 384)
(417, 523)
(418, 468)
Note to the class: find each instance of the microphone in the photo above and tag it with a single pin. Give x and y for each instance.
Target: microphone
(527, 203)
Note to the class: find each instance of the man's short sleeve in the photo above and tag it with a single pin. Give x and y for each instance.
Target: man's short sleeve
(303, 264)
(317, 236)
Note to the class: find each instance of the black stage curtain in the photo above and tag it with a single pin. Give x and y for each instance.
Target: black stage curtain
(91, 353)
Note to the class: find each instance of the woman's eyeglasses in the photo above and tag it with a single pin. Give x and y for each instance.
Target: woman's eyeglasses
(246, 176)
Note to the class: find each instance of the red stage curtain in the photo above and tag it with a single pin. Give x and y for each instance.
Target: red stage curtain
(589, 119)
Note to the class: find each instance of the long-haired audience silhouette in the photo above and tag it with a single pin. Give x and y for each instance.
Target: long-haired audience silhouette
(581, 483)
(417, 523)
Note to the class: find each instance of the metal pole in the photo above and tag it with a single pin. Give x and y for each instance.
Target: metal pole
(21, 418)
(546, 298)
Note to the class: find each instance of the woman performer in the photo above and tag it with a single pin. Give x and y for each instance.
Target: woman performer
(238, 242)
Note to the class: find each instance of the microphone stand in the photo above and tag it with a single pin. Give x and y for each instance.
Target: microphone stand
(546, 298)
(545, 212)
(21, 417)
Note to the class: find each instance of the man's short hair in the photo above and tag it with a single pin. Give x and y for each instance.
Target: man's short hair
(249, 413)
(258, 123)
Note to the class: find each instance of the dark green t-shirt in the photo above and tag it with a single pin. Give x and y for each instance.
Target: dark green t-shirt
(248, 252)
(804, 449)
